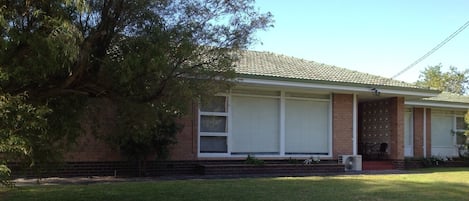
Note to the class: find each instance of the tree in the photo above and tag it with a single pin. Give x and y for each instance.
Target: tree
(147, 56)
(454, 81)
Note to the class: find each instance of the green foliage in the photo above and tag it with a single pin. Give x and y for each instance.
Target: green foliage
(454, 81)
(23, 131)
(291, 160)
(5, 173)
(253, 160)
(33, 134)
(156, 54)
(23, 125)
(143, 130)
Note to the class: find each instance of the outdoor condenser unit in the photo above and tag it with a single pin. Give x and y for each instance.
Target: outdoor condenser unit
(351, 162)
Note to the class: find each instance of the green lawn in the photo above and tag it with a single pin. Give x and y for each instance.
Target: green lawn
(426, 185)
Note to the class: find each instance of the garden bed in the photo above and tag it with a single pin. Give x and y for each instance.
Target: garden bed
(286, 169)
(429, 162)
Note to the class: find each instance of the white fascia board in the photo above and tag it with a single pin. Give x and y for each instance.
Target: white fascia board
(351, 89)
(407, 93)
(438, 104)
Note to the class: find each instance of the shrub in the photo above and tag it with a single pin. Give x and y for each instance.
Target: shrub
(253, 160)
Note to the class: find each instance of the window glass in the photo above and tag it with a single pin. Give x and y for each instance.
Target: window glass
(213, 104)
(212, 124)
(213, 144)
(461, 139)
(460, 123)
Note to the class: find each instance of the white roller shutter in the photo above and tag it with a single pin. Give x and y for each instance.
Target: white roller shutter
(255, 123)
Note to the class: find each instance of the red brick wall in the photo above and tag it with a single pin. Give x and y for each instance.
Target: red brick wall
(429, 132)
(397, 128)
(418, 132)
(90, 146)
(186, 146)
(342, 124)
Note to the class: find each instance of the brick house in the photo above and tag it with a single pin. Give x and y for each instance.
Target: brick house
(284, 107)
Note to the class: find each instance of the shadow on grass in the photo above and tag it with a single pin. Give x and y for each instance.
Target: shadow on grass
(360, 187)
(439, 169)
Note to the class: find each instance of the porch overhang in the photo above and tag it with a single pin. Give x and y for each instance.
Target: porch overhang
(438, 104)
(362, 90)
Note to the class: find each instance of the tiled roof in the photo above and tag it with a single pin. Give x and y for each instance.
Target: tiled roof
(449, 97)
(270, 65)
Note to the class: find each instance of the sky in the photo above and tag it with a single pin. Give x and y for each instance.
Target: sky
(380, 37)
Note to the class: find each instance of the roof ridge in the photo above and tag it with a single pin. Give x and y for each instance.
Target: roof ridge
(331, 65)
(265, 63)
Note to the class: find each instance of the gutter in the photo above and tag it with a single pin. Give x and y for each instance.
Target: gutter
(443, 104)
(348, 87)
(431, 92)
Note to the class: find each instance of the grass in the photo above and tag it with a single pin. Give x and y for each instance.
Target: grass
(427, 184)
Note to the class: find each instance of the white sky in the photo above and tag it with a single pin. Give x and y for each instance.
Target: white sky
(376, 37)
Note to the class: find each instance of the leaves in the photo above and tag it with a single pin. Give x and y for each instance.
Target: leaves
(151, 58)
(454, 81)
(22, 126)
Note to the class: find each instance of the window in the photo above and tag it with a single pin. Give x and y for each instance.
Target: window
(408, 126)
(255, 125)
(306, 126)
(461, 128)
(213, 125)
(461, 124)
(265, 122)
(441, 128)
(213, 144)
(214, 104)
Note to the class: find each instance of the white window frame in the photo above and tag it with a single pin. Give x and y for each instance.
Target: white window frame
(281, 97)
(453, 117)
(455, 128)
(280, 124)
(411, 133)
(201, 134)
(456, 123)
(329, 127)
(453, 147)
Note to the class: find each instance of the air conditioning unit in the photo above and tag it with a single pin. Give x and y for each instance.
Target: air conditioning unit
(351, 162)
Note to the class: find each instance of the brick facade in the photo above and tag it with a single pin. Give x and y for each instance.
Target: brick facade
(429, 132)
(342, 124)
(418, 132)
(382, 121)
(397, 110)
(186, 148)
(374, 127)
(187, 139)
(91, 145)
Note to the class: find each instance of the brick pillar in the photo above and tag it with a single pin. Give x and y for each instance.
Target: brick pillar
(429, 132)
(418, 132)
(397, 128)
(342, 124)
(187, 139)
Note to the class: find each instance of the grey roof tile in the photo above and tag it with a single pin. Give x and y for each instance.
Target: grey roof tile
(266, 64)
(449, 97)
